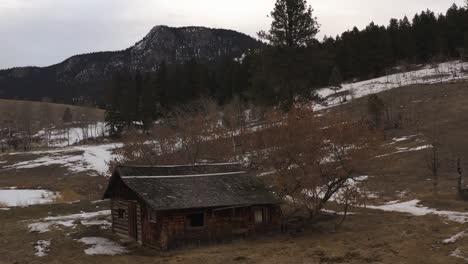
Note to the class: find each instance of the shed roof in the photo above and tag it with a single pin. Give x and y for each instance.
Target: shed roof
(192, 186)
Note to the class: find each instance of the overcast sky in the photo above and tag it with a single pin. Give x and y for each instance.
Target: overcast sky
(45, 32)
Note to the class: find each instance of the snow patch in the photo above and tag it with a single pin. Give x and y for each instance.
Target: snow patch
(401, 139)
(13, 197)
(103, 224)
(454, 238)
(336, 213)
(413, 208)
(45, 224)
(457, 253)
(404, 149)
(73, 135)
(92, 158)
(42, 247)
(443, 73)
(102, 246)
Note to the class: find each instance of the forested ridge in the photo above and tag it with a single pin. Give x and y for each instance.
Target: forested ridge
(289, 68)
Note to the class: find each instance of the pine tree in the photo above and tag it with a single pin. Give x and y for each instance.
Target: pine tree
(115, 123)
(375, 108)
(149, 102)
(335, 79)
(115, 120)
(466, 46)
(293, 24)
(67, 116)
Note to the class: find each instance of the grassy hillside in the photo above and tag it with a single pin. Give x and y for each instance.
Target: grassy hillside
(399, 173)
(15, 109)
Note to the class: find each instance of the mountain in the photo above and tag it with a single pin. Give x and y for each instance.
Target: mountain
(84, 77)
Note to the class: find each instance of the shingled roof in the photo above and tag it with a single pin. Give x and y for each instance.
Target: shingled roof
(192, 186)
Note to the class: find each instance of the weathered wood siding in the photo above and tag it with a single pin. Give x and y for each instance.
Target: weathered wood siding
(139, 223)
(121, 226)
(172, 229)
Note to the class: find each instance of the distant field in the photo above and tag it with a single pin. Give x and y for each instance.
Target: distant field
(14, 110)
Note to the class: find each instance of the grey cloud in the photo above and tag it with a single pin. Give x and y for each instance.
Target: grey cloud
(44, 32)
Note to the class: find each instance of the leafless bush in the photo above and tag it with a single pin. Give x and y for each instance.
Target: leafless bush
(314, 161)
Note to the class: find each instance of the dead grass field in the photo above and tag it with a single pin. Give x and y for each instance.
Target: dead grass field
(369, 236)
(10, 109)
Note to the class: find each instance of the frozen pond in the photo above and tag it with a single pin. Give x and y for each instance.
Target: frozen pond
(13, 197)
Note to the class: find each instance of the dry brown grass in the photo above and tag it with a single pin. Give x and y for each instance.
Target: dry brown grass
(10, 108)
(67, 195)
(367, 237)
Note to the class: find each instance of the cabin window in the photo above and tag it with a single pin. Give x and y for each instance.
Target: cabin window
(121, 213)
(258, 216)
(196, 220)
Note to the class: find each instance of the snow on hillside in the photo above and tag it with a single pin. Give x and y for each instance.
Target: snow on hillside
(84, 218)
(414, 208)
(102, 246)
(442, 73)
(72, 135)
(13, 197)
(90, 158)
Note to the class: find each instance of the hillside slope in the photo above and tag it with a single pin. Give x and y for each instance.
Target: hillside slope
(84, 76)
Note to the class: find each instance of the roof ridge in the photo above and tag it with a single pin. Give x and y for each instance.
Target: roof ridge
(178, 166)
(184, 176)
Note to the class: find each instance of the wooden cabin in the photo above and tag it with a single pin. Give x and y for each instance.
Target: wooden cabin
(172, 206)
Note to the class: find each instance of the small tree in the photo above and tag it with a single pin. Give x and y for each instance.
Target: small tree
(375, 108)
(115, 123)
(465, 49)
(432, 157)
(293, 24)
(313, 165)
(67, 116)
(335, 79)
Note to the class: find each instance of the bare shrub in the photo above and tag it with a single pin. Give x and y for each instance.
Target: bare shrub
(192, 134)
(314, 160)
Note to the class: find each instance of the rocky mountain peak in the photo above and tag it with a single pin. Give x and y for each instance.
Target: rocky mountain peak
(83, 75)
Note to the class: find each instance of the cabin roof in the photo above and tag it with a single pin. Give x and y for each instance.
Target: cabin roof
(192, 186)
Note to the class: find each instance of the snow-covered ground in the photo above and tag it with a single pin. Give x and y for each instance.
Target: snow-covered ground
(91, 158)
(13, 197)
(413, 208)
(406, 149)
(42, 247)
(454, 238)
(72, 135)
(102, 246)
(87, 219)
(444, 72)
(457, 253)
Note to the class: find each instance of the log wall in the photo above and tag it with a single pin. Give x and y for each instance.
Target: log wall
(172, 229)
(121, 226)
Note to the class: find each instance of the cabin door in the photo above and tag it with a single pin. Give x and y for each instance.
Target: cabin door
(132, 221)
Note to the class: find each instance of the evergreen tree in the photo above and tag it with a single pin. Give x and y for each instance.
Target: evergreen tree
(148, 102)
(466, 46)
(375, 108)
(293, 24)
(115, 123)
(335, 79)
(67, 116)
(117, 113)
